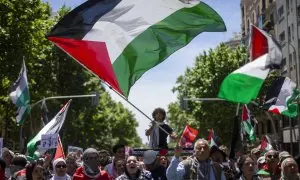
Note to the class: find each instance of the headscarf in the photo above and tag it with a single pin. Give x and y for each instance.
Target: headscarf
(288, 176)
(55, 177)
(91, 166)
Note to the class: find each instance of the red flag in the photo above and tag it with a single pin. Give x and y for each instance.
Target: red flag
(59, 150)
(188, 136)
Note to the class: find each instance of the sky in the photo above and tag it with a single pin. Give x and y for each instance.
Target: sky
(153, 89)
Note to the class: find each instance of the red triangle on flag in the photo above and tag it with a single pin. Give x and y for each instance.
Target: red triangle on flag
(245, 113)
(59, 150)
(259, 44)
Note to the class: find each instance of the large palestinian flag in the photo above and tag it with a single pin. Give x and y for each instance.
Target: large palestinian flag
(243, 84)
(119, 40)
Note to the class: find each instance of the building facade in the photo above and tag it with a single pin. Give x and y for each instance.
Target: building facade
(280, 18)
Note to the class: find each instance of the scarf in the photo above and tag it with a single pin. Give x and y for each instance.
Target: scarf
(285, 176)
(65, 177)
(154, 136)
(201, 168)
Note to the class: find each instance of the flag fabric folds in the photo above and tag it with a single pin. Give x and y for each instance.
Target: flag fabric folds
(244, 84)
(52, 127)
(265, 144)
(120, 40)
(280, 97)
(59, 153)
(212, 138)
(247, 124)
(19, 95)
(44, 112)
(188, 136)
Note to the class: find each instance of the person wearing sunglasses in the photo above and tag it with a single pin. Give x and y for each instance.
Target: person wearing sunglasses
(60, 170)
(272, 160)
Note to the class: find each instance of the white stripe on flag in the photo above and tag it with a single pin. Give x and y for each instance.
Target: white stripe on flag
(121, 25)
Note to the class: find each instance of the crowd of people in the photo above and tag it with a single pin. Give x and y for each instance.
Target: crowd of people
(209, 163)
(206, 162)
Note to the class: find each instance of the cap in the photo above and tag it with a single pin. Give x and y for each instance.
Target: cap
(150, 156)
(282, 155)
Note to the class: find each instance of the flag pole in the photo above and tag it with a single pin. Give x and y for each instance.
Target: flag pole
(134, 106)
(115, 91)
(234, 133)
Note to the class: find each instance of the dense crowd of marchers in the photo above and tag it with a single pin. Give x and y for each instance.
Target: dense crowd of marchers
(206, 163)
(209, 161)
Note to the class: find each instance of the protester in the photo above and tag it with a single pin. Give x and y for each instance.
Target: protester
(163, 161)
(119, 166)
(272, 161)
(133, 172)
(104, 158)
(60, 170)
(17, 165)
(289, 169)
(71, 164)
(2, 168)
(151, 162)
(7, 156)
(119, 153)
(34, 171)
(246, 164)
(91, 167)
(198, 166)
(158, 137)
(282, 156)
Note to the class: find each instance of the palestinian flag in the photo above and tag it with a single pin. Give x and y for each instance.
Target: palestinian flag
(212, 138)
(281, 96)
(119, 40)
(265, 144)
(247, 124)
(243, 84)
(52, 127)
(19, 95)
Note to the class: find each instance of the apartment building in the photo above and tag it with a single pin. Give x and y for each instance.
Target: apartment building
(280, 18)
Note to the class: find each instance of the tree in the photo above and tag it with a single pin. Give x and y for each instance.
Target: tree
(51, 72)
(203, 81)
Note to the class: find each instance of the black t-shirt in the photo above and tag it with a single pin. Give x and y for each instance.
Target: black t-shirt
(159, 173)
(163, 136)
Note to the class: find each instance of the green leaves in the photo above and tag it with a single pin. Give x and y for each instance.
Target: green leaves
(23, 26)
(203, 80)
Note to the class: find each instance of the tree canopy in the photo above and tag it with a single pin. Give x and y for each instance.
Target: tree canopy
(203, 80)
(23, 26)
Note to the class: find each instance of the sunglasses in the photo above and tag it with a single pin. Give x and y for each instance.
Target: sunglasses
(60, 166)
(272, 155)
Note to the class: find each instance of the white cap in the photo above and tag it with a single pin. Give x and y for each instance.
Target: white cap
(150, 156)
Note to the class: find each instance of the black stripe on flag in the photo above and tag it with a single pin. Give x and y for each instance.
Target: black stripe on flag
(79, 22)
(273, 92)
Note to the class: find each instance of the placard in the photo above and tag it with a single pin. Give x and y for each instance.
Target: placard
(49, 141)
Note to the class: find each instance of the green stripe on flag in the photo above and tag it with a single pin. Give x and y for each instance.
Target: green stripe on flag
(23, 115)
(240, 88)
(292, 107)
(161, 40)
(24, 98)
(249, 130)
